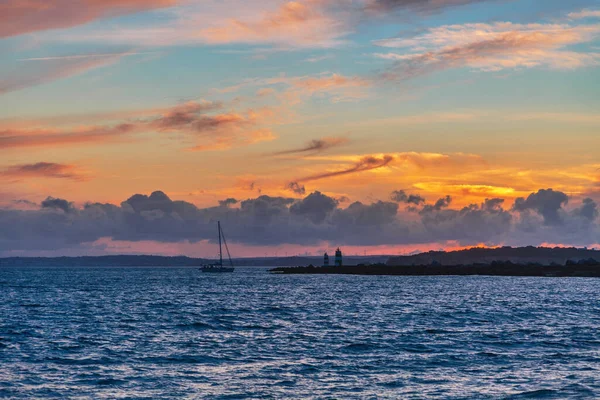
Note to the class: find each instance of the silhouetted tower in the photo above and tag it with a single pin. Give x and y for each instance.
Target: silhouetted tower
(338, 257)
(326, 260)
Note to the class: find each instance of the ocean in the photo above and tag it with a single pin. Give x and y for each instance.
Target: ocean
(178, 333)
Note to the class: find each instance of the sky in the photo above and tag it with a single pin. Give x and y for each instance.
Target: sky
(380, 126)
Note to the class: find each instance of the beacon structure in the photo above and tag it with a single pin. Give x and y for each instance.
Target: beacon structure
(338, 257)
(326, 260)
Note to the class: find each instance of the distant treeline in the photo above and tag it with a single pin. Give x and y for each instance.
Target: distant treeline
(517, 255)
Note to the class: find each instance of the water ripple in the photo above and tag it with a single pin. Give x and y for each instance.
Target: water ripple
(173, 332)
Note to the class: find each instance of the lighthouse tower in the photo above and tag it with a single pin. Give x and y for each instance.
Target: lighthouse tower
(326, 260)
(338, 257)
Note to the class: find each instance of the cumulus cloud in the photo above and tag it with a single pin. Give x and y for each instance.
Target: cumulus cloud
(437, 206)
(316, 218)
(228, 202)
(400, 196)
(484, 221)
(296, 188)
(316, 206)
(52, 203)
(546, 202)
(588, 210)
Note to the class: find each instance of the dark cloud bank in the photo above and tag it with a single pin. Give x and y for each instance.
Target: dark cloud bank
(407, 219)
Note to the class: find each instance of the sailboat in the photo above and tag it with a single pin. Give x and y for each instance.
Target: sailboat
(219, 267)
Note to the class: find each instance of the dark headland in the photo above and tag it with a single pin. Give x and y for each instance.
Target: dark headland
(505, 261)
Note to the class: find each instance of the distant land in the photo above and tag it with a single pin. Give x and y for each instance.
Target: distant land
(178, 261)
(505, 261)
(517, 255)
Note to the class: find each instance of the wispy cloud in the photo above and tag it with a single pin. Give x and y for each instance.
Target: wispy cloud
(585, 14)
(86, 56)
(24, 16)
(293, 24)
(319, 58)
(490, 47)
(366, 163)
(44, 137)
(578, 118)
(294, 89)
(196, 121)
(423, 6)
(37, 71)
(316, 145)
(43, 170)
(284, 25)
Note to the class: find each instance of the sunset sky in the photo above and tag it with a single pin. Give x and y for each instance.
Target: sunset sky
(385, 126)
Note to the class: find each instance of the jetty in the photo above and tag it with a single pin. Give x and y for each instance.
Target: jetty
(493, 269)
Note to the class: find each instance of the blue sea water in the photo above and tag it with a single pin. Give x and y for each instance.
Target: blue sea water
(178, 333)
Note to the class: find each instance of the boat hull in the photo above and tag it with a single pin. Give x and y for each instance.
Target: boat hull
(217, 269)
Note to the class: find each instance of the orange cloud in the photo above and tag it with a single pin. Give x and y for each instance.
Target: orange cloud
(417, 160)
(24, 16)
(296, 88)
(43, 170)
(467, 190)
(12, 138)
(241, 138)
(193, 119)
(330, 83)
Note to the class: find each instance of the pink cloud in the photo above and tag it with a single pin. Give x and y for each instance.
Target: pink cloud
(294, 23)
(24, 16)
(491, 47)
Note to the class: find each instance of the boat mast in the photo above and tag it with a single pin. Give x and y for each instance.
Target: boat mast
(220, 249)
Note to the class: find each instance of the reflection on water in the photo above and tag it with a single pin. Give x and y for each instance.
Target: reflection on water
(175, 332)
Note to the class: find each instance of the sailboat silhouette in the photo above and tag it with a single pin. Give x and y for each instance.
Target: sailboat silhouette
(219, 267)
